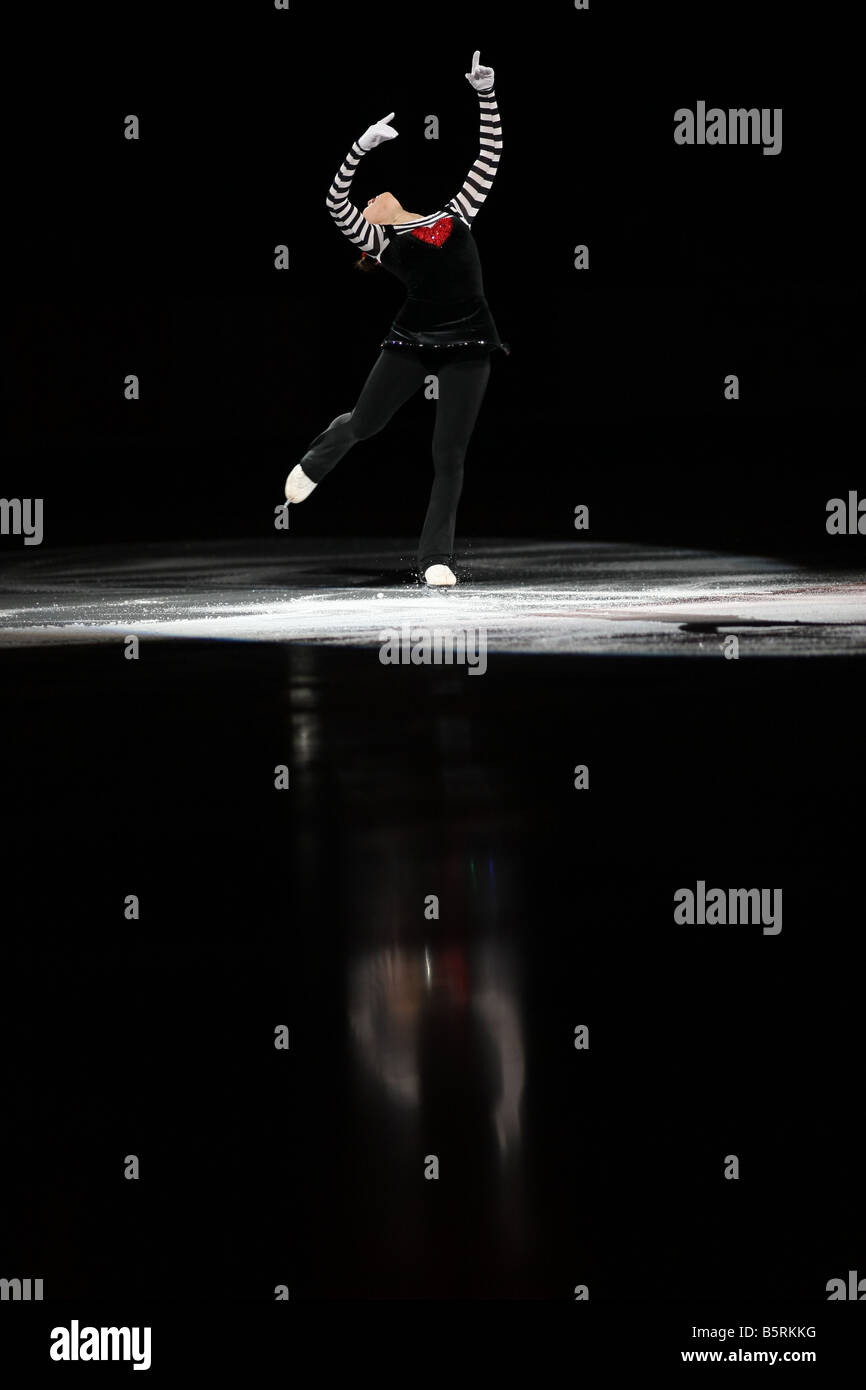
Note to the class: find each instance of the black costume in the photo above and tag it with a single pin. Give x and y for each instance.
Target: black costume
(445, 305)
(444, 326)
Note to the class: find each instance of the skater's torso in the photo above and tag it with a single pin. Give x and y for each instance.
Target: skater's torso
(437, 260)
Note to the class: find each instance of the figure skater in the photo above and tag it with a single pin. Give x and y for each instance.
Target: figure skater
(444, 325)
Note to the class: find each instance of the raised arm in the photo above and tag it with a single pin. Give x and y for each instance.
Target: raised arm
(350, 220)
(479, 180)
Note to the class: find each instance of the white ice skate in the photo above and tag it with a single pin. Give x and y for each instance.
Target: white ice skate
(438, 576)
(298, 485)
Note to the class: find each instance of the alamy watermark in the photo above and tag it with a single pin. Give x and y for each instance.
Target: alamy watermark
(846, 518)
(21, 1290)
(425, 646)
(22, 516)
(75, 1343)
(720, 907)
(736, 126)
(854, 1289)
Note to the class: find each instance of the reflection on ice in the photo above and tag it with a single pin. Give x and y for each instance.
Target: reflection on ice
(432, 1015)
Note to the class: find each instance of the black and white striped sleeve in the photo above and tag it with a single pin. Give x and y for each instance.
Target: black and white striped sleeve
(348, 218)
(480, 178)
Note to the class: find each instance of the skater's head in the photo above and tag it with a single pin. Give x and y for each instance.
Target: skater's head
(383, 210)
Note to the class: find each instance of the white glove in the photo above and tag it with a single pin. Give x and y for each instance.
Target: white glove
(375, 134)
(481, 78)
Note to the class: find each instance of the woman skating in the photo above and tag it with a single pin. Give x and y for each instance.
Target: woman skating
(444, 326)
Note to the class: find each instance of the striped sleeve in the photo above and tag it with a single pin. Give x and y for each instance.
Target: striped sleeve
(479, 180)
(348, 218)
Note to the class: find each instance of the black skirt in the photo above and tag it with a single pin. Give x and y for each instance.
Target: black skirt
(450, 329)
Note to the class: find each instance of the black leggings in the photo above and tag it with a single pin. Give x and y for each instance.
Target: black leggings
(395, 376)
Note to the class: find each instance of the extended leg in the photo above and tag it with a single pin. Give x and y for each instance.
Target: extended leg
(462, 384)
(395, 375)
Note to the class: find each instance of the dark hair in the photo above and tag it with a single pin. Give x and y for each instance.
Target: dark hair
(366, 263)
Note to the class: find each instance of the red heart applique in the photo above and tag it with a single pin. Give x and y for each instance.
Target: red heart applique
(437, 233)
